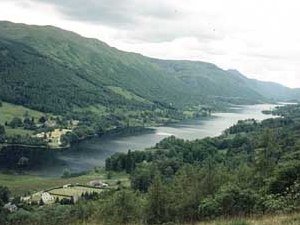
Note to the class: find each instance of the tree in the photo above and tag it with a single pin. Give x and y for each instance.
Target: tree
(269, 155)
(16, 122)
(66, 173)
(28, 123)
(42, 119)
(235, 201)
(189, 185)
(124, 207)
(157, 211)
(142, 177)
(23, 162)
(2, 133)
(4, 195)
(129, 162)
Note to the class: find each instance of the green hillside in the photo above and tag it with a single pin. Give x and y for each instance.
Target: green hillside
(52, 70)
(270, 90)
(91, 64)
(208, 79)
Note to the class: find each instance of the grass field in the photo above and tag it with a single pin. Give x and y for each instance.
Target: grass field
(22, 184)
(9, 111)
(18, 131)
(74, 191)
(68, 192)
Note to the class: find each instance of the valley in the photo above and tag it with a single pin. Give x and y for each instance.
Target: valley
(121, 138)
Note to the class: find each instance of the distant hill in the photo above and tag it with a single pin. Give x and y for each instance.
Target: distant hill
(52, 70)
(270, 90)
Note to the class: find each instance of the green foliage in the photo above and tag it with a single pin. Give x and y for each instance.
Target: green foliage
(2, 133)
(235, 201)
(4, 195)
(16, 122)
(252, 168)
(239, 222)
(156, 209)
(124, 207)
(285, 177)
(66, 173)
(141, 178)
(209, 208)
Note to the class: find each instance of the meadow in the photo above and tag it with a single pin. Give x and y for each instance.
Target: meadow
(74, 191)
(21, 185)
(8, 111)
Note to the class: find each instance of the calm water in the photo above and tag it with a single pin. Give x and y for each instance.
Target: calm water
(90, 153)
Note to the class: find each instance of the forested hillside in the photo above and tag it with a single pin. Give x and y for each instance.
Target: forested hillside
(53, 70)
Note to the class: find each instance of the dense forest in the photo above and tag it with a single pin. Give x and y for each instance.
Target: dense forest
(253, 168)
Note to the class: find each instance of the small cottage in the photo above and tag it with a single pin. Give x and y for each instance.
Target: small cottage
(98, 184)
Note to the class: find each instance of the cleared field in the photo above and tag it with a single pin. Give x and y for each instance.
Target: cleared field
(22, 184)
(9, 111)
(77, 191)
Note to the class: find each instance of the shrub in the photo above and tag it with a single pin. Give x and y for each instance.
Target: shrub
(235, 201)
(239, 222)
(209, 208)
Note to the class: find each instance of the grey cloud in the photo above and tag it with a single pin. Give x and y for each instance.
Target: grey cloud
(137, 20)
(116, 13)
(161, 31)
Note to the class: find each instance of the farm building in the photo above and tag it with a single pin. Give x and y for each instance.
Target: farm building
(98, 184)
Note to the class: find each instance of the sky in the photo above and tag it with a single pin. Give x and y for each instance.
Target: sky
(260, 38)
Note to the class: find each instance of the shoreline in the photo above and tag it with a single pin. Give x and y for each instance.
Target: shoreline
(123, 131)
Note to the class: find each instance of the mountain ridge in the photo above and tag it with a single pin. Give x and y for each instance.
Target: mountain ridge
(40, 56)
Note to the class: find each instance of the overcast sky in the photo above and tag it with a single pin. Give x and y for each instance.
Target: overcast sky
(260, 38)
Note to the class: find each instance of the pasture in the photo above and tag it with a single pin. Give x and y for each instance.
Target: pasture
(74, 191)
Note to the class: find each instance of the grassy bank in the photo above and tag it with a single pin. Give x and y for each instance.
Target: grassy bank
(281, 219)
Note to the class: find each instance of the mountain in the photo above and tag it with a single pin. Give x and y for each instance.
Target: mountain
(53, 70)
(208, 79)
(270, 90)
